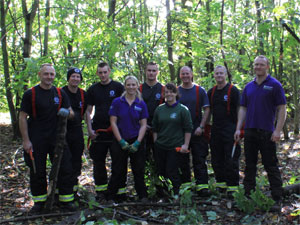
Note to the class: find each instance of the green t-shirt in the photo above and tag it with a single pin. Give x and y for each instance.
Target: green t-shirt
(171, 123)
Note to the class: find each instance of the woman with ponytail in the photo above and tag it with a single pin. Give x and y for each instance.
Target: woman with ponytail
(128, 118)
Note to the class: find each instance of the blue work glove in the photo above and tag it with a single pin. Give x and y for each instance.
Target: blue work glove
(63, 112)
(134, 147)
(124, 144)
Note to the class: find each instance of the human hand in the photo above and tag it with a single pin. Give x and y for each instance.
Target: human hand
(134, 147)
(237, 135)
(275, 136)
(198, 131)
(124, 144)
(63, 112)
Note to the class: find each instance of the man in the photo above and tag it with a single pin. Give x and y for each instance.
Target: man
(74, 134)
(262, 99)
(224, 102)
(42, 105)
(152, 95)
(195, 98)
(101, 95)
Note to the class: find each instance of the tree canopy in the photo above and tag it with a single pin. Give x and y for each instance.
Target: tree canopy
(129, 33)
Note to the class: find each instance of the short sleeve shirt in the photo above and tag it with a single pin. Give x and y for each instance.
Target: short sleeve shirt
(43, 126)
(152, 96)
(222, 116)
(128, 116)
(189, 99)
(101, 96)
(77, 103)
(261, 102)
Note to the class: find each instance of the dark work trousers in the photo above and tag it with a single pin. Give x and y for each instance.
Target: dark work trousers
(199, 150)
(38, 180)
(149, 145)
(167, 166)
(75, 142)
(226, 168)
(119, 169)
(98, 152)
(260, 140)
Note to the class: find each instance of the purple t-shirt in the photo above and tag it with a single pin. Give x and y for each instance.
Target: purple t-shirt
(261, 102)
(128, 117)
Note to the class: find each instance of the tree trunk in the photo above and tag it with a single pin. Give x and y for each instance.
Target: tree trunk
(29, 18)
(7, 83)
(46, 31)
(259, 34)
(170, 42)
(57, 156)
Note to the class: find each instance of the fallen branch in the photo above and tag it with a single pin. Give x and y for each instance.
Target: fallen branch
(36, 217)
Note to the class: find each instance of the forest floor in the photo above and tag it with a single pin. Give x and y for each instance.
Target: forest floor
(15, 200)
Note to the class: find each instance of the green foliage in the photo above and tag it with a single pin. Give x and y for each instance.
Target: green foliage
(188, 210)
(243, 203)
(256, 200)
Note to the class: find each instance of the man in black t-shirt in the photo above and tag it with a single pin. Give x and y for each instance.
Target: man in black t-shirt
(152, 93)
(100, 97)
(224, 102)
(38, 121)
(74, 136)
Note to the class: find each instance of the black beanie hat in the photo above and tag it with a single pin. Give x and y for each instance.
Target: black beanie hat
(73, 70)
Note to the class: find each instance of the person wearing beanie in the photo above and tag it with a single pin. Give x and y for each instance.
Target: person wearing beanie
(74, 136)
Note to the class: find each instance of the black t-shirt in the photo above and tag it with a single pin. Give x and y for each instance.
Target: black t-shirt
(219, 111)
(46, 105)
(101, 96)
(152, 97)
(76, 104)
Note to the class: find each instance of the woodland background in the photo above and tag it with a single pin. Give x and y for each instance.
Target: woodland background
(129, 33)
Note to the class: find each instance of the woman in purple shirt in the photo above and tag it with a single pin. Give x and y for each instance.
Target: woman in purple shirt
(128, 118)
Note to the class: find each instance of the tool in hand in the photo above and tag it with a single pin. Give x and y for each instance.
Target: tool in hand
(32, 160)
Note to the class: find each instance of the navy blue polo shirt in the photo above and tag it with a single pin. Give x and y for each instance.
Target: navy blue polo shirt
(261, 102)
(128, 116)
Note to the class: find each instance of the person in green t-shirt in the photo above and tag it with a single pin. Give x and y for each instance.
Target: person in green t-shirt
(172, 127)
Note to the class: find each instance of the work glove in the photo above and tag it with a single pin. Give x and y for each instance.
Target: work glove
(124, 144)
(63, 112)
(134, 147)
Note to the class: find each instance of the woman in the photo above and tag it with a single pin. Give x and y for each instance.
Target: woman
(128, 118)
(172, 127)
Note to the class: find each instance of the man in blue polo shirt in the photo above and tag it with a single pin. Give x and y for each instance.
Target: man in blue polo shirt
(261, 100)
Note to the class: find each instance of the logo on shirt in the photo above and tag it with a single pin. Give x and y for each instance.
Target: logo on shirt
(173, 116)
(157, 96)
(225, 98)
(269, 88)
(56, 100)
(112, 93)
(80, 104)
(137, 108)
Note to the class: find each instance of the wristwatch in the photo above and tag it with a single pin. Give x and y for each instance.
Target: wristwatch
(202, 127)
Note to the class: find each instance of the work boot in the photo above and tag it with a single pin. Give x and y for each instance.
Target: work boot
(68, 206)
(37, 208)
(277, 206)
(100, 197)
(203, 193)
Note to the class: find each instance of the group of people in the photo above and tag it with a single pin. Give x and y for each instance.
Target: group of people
(167, 122)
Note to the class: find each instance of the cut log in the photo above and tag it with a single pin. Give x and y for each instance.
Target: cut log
(57, 156)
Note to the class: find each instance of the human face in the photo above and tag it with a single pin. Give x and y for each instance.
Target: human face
(151, 72)
(261, 67)
(103, 73)
(131, 86)
(74, 80)
(220, 75)
(186, 75)
(47, 75)
(170, 96)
